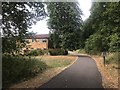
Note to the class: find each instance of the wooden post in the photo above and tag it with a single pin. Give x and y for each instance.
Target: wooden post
(104, 60)
(104, 54)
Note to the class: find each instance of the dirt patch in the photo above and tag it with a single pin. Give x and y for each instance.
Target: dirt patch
(40, 79)
(109, 73)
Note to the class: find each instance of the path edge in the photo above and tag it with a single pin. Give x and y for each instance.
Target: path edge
(62, 70)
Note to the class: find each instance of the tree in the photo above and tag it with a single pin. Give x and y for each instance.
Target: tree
(65, 23)
(54, 41)
(113, 23)
(17, 18)
(104, 22)
(95, 44)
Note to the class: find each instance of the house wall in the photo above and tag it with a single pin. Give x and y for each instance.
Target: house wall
(38, 44)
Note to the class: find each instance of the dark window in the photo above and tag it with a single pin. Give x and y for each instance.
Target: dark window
(44, 41)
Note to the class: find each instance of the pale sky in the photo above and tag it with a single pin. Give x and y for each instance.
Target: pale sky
(41, 26)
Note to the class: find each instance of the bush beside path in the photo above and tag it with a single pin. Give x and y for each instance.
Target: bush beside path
(56, 64)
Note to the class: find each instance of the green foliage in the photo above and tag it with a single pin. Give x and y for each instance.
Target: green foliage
(95, 44)
(87, 30)
(65, 23)
(81, 51)
(114, 43)
(35, 52)
(58, 52)
(114, 58)
(17, 18)
(101, 30)
(15, 69)
(54, 40)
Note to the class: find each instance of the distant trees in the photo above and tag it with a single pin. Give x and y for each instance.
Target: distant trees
(65, 24)
(101, 29)
(16, 18)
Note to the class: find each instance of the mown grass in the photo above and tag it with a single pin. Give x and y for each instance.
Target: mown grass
(17, 68)
(57, 61)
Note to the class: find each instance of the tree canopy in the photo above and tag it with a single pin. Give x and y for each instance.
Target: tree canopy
(65, 24)
(17, 17)
(101, 29)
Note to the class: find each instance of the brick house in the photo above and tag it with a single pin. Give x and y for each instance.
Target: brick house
(39, 41)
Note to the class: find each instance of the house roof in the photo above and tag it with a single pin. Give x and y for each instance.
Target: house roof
(43, 36)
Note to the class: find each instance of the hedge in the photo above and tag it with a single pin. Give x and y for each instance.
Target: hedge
(58, 52)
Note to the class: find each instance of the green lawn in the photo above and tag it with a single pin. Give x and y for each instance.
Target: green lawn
(57, 61)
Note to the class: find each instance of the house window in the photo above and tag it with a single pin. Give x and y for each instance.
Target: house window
(43, 40)
(32, 48)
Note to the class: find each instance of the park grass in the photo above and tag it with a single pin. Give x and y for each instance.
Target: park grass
(57, 61)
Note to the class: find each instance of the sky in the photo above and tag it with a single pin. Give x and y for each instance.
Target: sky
(41, 26)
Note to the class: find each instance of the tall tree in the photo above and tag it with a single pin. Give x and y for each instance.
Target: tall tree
(65, 23)
(105, 24)
(17, 17)
(113, 22)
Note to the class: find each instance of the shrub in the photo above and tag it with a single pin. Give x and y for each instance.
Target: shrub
(41, 52)
(35, 52)
(81, 51)
(114, 58)
(58, 52)
(45, 51)
(95, 44)
(18, 68)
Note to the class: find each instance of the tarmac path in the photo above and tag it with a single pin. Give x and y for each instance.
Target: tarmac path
(82, 74)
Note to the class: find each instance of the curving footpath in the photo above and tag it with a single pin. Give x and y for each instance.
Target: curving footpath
(82, 74)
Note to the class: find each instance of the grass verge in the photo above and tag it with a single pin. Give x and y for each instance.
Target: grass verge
(109, 72)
